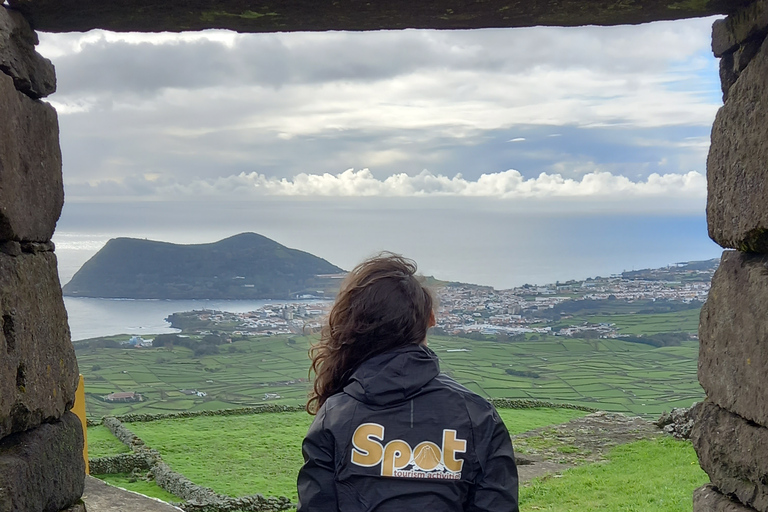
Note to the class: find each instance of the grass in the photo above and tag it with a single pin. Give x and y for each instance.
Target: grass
(645, 476)
(101, 443)
(150, 489)
(240, 455)
(518, 421)
(607, 374)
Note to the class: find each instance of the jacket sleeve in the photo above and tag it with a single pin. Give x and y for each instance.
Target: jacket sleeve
(496, 486)
(316, 480)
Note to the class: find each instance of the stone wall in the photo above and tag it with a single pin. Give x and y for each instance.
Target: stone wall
(731, 431)
(41, 463)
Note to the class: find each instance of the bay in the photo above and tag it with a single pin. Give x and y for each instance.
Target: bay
(93, 317)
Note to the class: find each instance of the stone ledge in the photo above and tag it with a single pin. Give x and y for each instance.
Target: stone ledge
(319, 15)
(101, 497)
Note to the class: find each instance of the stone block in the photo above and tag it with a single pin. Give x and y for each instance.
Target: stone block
(750, 22)
(42, 469)
(734, 453)
(737, 174)
(32, 74)
(32, 191)
(733, 336)
(723, 40)
(708, 499)
(38, 369)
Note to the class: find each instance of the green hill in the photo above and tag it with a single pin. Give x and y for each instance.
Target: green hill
(244, 266)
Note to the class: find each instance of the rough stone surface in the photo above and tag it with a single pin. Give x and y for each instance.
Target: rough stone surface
(736, 171)
(102, 497)
(293, 15)
(723, 40)
(78, 507)
(38, 369)
(43, 469)
(734, 453)
(708, 499)
(678, 422)
(733, 333)
(742, 25)
(32, 73)
(32, 192)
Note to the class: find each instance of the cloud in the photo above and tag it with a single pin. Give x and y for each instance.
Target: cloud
(507, 185)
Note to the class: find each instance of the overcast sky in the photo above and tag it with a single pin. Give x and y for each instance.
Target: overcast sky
(520, 123)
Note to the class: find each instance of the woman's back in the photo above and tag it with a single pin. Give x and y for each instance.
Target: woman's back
(391, 432)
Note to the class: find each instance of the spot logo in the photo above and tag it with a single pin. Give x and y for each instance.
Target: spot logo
(399, 460)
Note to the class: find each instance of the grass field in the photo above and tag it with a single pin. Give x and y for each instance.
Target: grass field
(239, 455)
(645, 476)
(261, 453)
(605, 374)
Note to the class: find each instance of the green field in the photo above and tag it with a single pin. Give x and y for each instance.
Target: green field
(262, 453)
(646, 476)
(607, 374)
(240, 455)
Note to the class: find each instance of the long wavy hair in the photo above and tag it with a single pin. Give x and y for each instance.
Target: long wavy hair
(382, 305)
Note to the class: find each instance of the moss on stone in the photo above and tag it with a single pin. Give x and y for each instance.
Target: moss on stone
(689, 5)
(245, 15)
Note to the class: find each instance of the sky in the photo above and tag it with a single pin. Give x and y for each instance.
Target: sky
(490, 156)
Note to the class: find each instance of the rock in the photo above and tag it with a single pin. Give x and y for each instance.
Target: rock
(32, 191)
(43, 468)
(747, 23)
(293, 15)
(723, 40)
(38, 369)
(736, 172)
(32, 74)
(734, 453)
(679, 422)
(11, 248)
(708, 499)
(77, 507)
(733, 360)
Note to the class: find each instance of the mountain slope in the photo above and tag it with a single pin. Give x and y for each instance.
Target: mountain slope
(245, 266)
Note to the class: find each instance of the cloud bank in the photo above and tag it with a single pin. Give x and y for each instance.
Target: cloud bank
(507, 185)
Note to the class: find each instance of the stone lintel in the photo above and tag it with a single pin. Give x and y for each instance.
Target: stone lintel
(320, 15)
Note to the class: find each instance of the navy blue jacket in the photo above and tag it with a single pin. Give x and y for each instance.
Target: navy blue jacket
(404, 437)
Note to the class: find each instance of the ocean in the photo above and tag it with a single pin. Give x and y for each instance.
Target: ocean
(486, 245)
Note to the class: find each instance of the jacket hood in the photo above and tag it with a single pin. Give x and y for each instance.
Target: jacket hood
(393, 376)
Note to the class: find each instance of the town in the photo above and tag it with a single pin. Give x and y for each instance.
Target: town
(466, 310)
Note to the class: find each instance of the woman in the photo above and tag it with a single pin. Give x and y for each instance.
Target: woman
(392, 433)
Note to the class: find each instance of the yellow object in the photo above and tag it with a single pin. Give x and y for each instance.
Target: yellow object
(79, 410)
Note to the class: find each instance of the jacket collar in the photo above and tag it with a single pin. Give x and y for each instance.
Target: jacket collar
(393, 376)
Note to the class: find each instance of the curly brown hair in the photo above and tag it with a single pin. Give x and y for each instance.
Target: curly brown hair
(382, 305)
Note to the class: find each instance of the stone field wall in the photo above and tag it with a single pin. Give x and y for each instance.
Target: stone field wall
(730, 434)
(41, 443)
